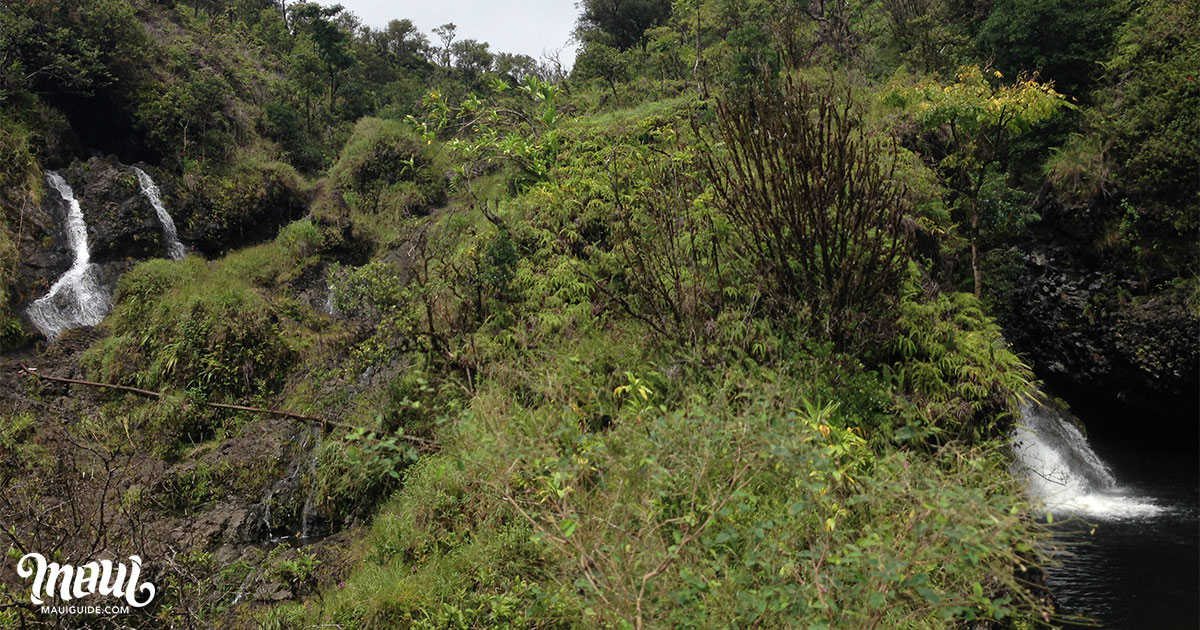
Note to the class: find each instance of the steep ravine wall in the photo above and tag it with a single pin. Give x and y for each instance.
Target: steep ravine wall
(1095, 336)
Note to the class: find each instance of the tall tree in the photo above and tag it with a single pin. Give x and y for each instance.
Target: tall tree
(621, 23)
(975, 117)
(332, 41)
(400, 43)
(445, 33)
(472, 57)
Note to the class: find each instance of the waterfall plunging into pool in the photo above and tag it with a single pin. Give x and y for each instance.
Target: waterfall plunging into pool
(77, 298)
(175, 250)
(1123, 548)
(1065, 475)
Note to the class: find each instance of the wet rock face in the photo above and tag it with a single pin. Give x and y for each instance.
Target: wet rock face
(45, 252)
(1098, 330)
(122, 225)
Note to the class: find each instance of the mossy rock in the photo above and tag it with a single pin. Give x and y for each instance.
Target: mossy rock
(244, 204)
(385, 166)
(182, 325)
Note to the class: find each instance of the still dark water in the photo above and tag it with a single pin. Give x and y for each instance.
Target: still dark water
(1137, 573)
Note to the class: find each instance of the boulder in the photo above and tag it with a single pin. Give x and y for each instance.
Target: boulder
(122, 225)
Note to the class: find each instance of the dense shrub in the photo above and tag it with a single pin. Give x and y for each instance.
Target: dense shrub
(811, 195)
(181, 325)
(953, 367)
(1151, 117)
(385, 166)
(19, 172)
(1129, 178)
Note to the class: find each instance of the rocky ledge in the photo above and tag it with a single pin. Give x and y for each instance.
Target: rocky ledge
(1099, 331)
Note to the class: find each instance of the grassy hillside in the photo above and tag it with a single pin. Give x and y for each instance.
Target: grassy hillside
(694, 336)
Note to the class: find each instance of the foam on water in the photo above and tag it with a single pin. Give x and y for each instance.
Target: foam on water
(1065, 475)
(77, 298)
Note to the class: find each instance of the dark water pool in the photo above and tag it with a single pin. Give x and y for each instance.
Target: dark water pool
(1137, 573)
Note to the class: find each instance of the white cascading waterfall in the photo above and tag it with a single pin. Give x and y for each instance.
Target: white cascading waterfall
(175, 250)
(77, 298)
(328, 306)
(1064, 474)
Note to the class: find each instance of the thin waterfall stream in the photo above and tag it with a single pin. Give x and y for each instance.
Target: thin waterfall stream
(77, 298)
(175, 249)
(288, 510)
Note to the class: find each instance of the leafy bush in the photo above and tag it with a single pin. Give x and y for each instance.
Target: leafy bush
(953, 366)
(669, 259)
(385, 166)
(359, 469)
(187, 491)
(298, 571)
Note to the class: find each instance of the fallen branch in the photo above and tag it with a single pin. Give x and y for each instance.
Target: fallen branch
(325, 422)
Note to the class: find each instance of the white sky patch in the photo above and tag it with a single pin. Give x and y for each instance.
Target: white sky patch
(529, 27)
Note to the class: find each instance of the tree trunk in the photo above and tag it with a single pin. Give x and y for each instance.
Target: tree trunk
(975, 253)
(332, 91)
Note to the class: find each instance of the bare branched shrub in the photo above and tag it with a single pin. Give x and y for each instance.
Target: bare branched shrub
(670, 248)
(814, 199)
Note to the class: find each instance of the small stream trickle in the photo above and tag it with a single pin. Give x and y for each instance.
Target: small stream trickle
(310, 498)
(294, 496)
(328, 306)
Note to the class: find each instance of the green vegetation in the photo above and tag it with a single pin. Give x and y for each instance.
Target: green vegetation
(976, 120)
(177, 325)
(386, 167)
(1123, 156)
(692, 336)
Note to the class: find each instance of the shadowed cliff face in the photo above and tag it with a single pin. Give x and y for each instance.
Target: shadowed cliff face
(1098, 334)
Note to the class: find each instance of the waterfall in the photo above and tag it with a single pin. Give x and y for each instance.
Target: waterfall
(310, 499)
(77, 298)
(175, 249)
(328, 306)
(284, 499)
(1064, 474)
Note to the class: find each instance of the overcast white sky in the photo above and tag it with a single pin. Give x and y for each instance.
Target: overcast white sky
(512, 26)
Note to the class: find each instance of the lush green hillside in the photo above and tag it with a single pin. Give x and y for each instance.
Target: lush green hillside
(699, 334)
